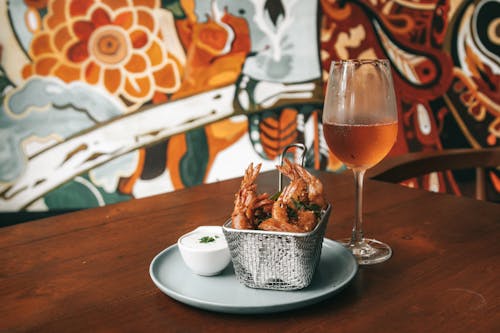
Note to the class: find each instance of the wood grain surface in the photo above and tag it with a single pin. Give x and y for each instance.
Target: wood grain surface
(88, 271)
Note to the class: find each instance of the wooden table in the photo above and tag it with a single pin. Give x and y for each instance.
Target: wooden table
(88, 271)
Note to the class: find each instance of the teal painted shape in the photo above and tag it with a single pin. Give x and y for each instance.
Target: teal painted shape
(4, 84)
(174, 7)
(81, 194)
(193, 164)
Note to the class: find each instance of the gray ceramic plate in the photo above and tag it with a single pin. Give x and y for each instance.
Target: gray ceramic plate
(223, 293)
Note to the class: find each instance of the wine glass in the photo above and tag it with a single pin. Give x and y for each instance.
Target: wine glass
(360, 127)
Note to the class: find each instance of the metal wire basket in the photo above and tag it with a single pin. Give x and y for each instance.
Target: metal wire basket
(276, 260)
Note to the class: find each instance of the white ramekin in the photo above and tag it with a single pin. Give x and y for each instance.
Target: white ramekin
(205, 260)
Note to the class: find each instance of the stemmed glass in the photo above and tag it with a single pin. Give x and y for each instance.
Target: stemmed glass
(360, 128)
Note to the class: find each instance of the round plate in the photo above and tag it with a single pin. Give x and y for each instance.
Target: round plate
(223, 293)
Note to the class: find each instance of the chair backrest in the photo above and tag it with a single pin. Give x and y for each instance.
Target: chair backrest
(399, 168)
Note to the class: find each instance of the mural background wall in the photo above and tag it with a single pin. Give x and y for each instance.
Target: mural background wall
(104, 101)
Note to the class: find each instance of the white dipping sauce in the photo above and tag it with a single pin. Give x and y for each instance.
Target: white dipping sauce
(204, 250)
(204, 240)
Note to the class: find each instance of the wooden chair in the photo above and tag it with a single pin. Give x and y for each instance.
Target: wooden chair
(399, 168)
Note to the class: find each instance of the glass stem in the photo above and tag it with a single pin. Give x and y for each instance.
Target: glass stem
(357, 231)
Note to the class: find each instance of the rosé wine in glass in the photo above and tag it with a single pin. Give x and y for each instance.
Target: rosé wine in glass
(360, 146)
(360, 125)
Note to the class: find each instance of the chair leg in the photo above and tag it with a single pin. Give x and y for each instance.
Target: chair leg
(480, 184)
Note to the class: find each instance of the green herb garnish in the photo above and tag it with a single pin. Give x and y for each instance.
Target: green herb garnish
(303, 206)
(275, 196)
(260, 215)
(292, 213)
(207, 239)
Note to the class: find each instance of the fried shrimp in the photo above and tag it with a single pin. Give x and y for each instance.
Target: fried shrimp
(315, 193)
(247, 202)
(296, 209)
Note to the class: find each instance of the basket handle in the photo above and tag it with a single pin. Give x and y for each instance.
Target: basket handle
(282, 156)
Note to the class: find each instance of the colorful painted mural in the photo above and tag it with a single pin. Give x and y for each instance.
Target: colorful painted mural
(108, 100)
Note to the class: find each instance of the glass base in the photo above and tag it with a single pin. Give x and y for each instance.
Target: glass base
(368, 251)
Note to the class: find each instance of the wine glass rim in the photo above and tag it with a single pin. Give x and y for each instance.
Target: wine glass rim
(359, 61)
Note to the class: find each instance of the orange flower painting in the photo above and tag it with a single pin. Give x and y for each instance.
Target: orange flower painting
(114, 44)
